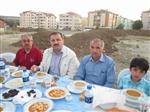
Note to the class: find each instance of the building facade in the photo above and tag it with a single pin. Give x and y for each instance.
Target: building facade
(146, 19)
(70, 21)
(3, 25)
(106, 19)
(31, 19)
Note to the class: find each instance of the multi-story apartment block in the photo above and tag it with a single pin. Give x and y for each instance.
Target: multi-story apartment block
(31, 19)
(3, 25)
(70, 21)
(146, 19)
(104, 19)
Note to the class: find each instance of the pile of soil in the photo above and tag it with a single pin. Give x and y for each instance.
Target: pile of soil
(80, 42)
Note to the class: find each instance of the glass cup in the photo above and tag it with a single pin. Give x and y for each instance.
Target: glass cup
(33, 83)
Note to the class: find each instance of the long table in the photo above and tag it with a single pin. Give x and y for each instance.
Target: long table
(101, 95)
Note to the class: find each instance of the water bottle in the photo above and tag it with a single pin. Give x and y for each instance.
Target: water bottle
(88, 97)
(2, 64)
(25, 77)
(2, 67)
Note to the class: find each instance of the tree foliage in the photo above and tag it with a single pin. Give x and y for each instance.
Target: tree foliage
(120, 26)
(137, 25)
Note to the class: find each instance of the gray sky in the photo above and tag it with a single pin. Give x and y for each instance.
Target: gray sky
(130, 9)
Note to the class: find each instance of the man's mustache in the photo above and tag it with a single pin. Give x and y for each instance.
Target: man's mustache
(56, 44)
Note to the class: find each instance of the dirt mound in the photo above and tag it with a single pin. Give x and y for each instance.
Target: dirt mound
(80, 41)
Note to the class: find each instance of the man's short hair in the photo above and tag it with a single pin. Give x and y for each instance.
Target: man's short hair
(140, 63)
(26, 35)
(97, 40)
(56, 33)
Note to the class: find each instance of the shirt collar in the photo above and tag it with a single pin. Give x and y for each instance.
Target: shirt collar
(101, 59)
(139, 82)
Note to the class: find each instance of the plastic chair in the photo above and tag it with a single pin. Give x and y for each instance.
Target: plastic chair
(9, 57)
(126, 71)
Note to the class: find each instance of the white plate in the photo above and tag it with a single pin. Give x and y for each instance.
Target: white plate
(61, 111)
(74, 90)
(14, 73)
(54, 88)
(48, 101)
(7, 99)
(12, 69)
(108, 105)
(8, 107)
(47, 77)
(14, 83)
(40, 77)
(23, 97)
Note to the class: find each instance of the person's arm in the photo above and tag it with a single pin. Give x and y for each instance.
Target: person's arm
(39, 57)
(73, 66)
(111, 77)
(120, 84)
(80, 75)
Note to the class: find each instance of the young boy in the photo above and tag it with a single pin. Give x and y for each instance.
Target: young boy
(138, 68)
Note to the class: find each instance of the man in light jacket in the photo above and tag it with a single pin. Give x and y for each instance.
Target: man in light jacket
(58, 59)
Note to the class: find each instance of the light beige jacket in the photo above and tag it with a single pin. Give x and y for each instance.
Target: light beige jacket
(68, 64)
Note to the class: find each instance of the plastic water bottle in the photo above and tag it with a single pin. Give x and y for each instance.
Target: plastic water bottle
(2, 64)
(25, 77)
(2, 67)
(89, 97)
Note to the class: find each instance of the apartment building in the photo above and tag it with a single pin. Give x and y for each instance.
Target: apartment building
(146, 19)
(31, 19)
(70, 21)
(3, 25)
(105, 19)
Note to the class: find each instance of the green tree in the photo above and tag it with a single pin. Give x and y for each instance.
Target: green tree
(120, 26)
(137, 25)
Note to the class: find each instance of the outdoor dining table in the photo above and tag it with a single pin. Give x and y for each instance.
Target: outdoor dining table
(101, 95)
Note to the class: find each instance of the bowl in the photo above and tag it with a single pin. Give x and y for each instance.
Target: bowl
(107, 106)
(79, 84)
(133, 94)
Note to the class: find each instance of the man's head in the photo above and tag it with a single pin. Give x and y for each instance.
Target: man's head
(27, 41)
(138, 68)
(56, 41)
(96, 48)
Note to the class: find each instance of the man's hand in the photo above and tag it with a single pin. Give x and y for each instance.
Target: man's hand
(34, 68)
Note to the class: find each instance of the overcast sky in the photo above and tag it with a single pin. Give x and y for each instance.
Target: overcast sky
(130, 9)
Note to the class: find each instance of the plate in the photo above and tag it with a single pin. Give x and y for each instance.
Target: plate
(23, 97)
(74, 90)
(40, 74)
(47, 77)
(44, 100)
(56, 92)
(61, 111)
(79, 84)
(136, 92)
(17, 74)
(12, 69)
(106, 106)
(6, 99)
(14, 83)
(2, 79)
(8, 107)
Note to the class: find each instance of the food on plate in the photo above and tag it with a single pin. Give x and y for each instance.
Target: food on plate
(18, 74)
(1, 109)
(10, 93)
(79, 84)
(119, 110)
(56, 93)
(22, 67)
(1, 79)
(31, 92)
(12, 69)
(15, 83)
(38, 107)
(40, 74)
(133, 93)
